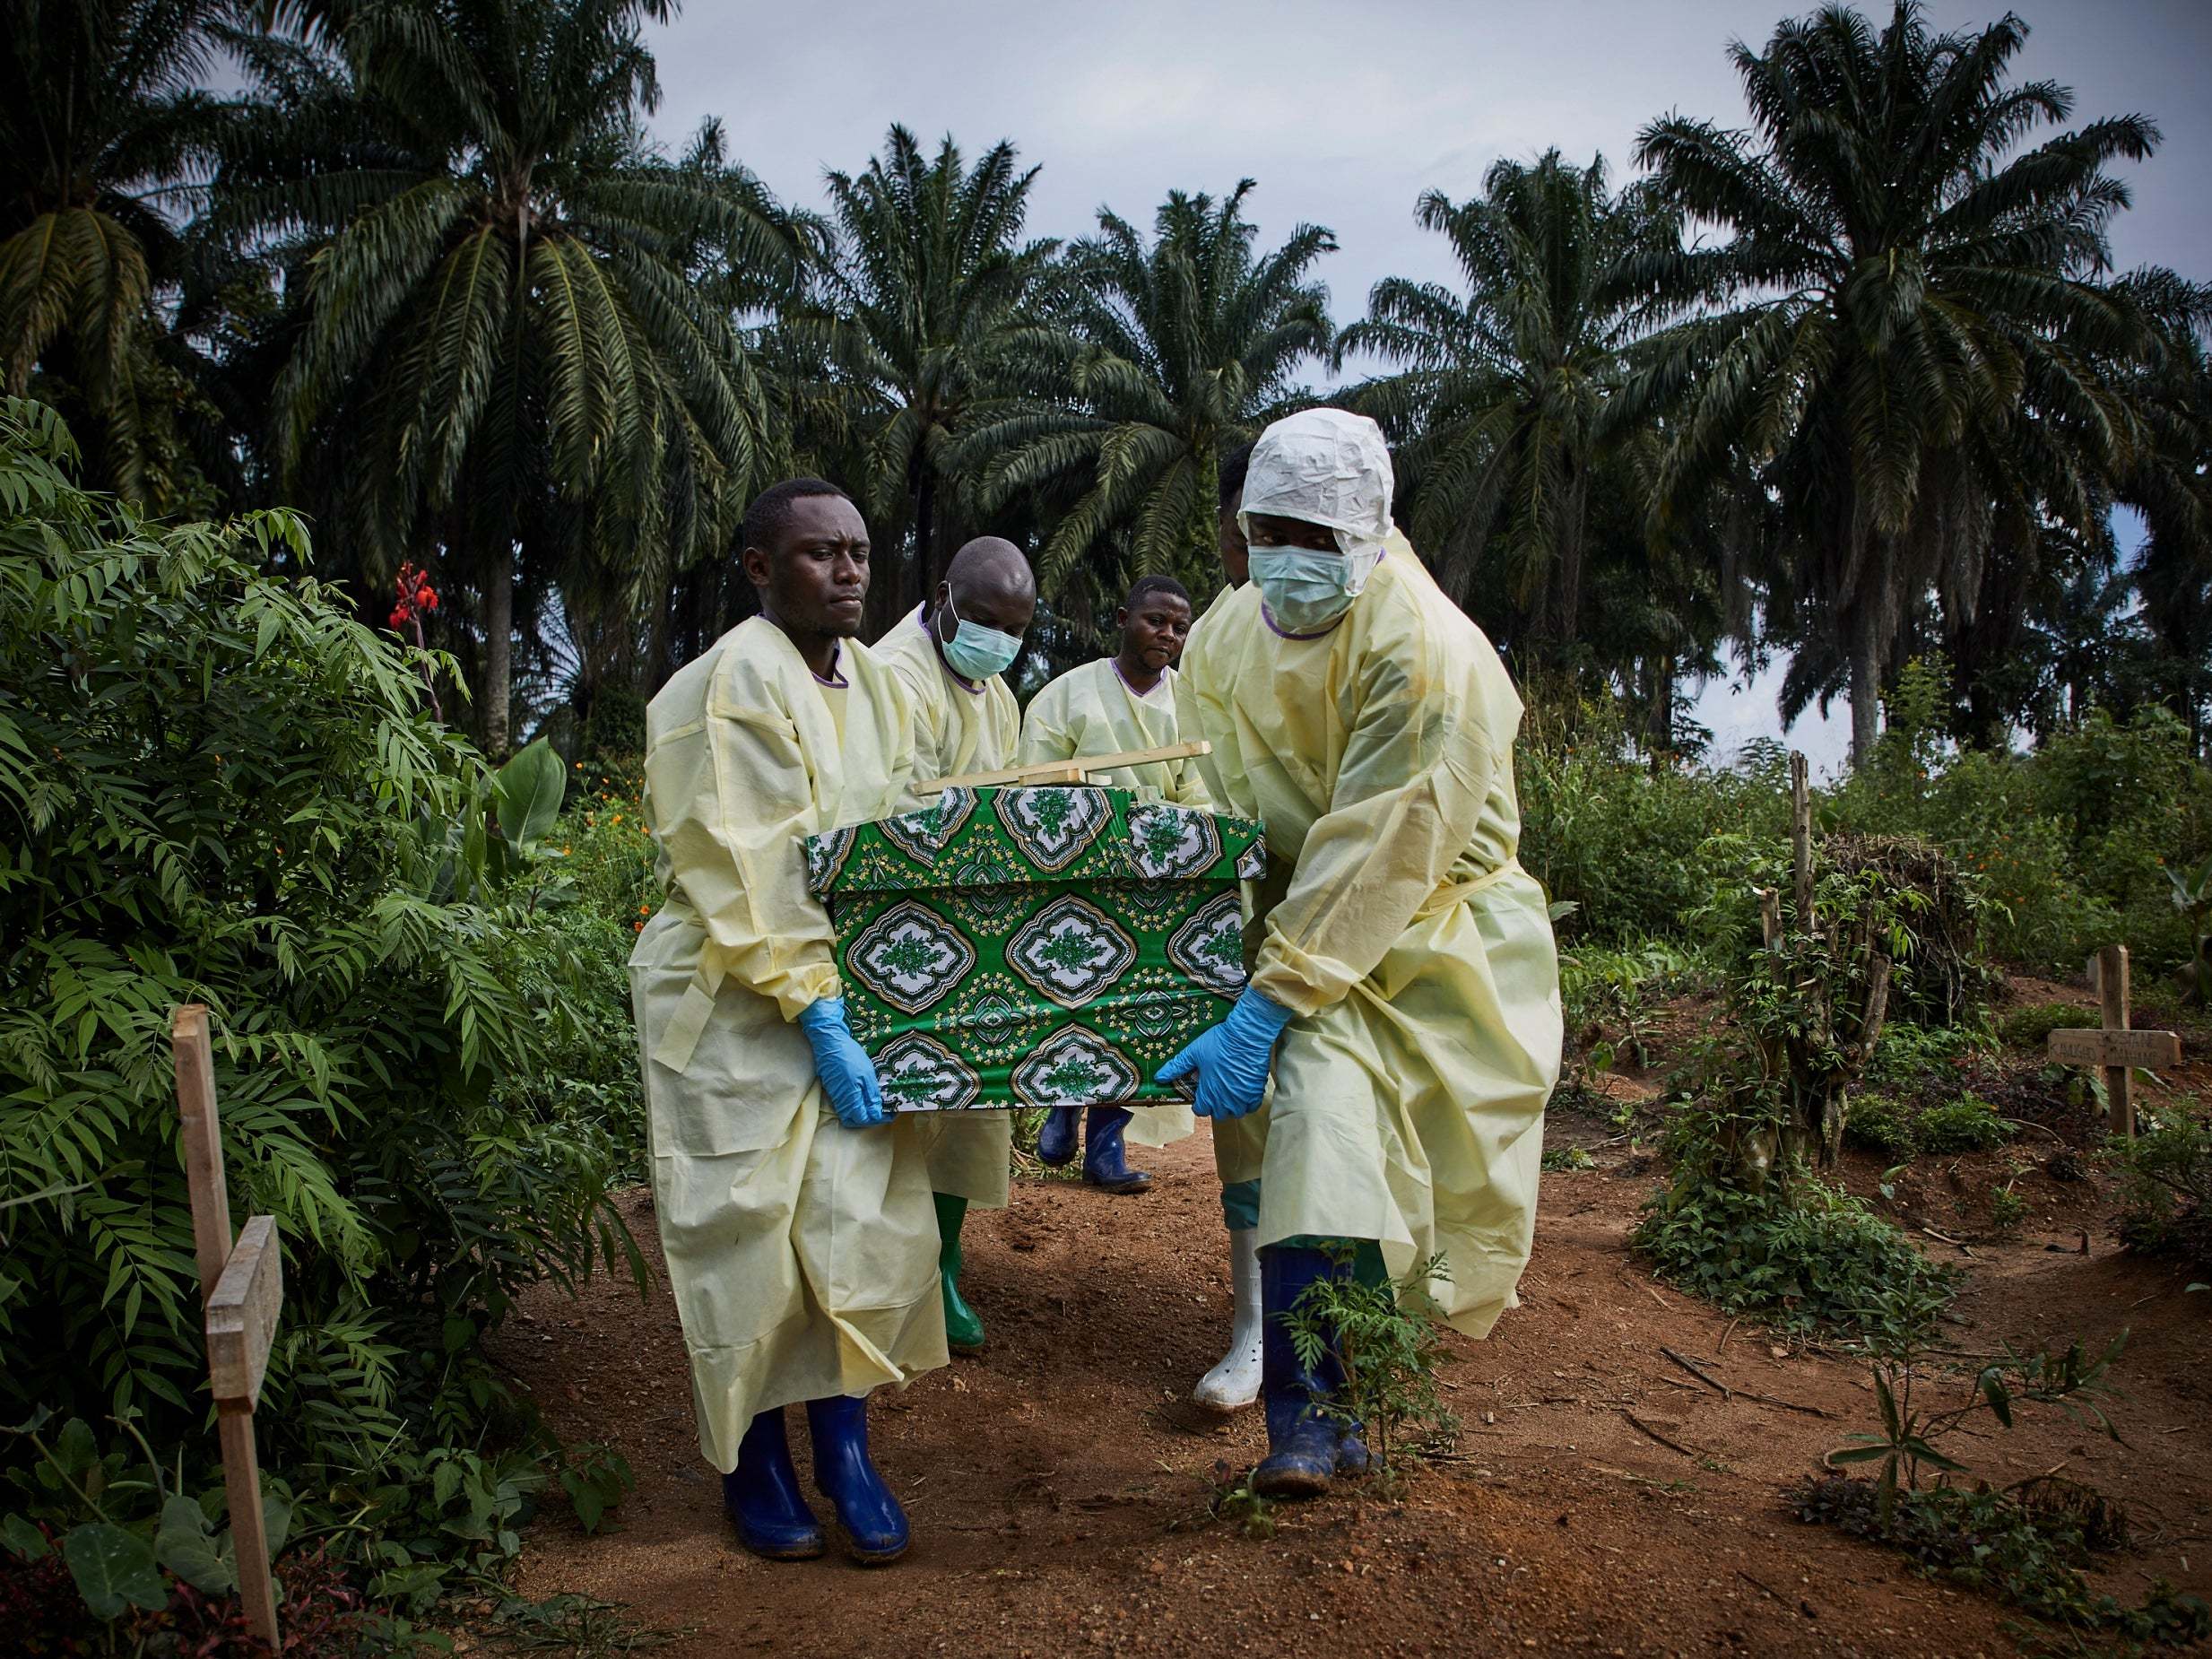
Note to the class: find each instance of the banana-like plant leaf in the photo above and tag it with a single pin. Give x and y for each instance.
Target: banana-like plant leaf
(527, 792)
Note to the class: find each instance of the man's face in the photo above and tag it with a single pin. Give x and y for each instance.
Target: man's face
(1269, 531)
(1235, 554)
(989, 604)
(815, 578)
(1154, 628)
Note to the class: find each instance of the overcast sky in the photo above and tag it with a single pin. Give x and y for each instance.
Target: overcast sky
(1345, 113)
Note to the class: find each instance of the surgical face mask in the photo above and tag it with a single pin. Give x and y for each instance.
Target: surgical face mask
(976, 652)
(1305, 591)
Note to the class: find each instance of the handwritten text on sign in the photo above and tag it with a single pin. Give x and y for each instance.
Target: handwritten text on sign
(2153, 1049)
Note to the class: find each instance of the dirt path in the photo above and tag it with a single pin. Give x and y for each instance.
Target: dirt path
(1057, 1483)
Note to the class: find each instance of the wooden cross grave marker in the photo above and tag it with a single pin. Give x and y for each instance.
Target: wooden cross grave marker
(2116, 1048)
(244, 1288)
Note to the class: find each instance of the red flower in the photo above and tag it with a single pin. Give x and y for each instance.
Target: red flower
(399, 616)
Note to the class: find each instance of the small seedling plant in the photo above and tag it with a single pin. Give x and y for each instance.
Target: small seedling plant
(1385, 1341)
(2073, 1381)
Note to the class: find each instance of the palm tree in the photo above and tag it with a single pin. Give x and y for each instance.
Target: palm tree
(102, 133)
(1160, 358)
(1499, 409)
(507, 346)
(921, 295)
(1895, 273)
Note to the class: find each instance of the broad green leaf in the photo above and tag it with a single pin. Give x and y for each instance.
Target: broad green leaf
(277, 1520)
(113, 1569)
(21, 1536)
(186, 1548)
(527, 791)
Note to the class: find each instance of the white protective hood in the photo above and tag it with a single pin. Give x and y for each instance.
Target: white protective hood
(1327, 466)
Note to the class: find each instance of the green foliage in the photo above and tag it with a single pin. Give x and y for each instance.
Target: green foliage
(224, 792)
(1813, 1259)
(1881, 1122)
(1968, 1123)
(2027, 1550)
(2030, 1027)
(2165, 1194)
(1608, 997)
(1387, 1343)
(1166, 356)
(2073, 1381)
(1631, 846)
(1500, 404)
(2027, 1544)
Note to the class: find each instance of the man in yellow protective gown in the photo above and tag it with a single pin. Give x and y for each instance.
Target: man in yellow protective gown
(795, 1218)
(1404, 994)
(1119, 703)
(951, 655)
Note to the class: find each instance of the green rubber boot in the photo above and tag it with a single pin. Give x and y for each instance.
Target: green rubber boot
(963, 1326)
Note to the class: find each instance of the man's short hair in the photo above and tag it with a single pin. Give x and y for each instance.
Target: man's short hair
(1145, 584)
(1234, 464)
(771, 509)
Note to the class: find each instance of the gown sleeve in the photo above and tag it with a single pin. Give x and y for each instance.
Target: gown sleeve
(1417, 765)
(736, 795)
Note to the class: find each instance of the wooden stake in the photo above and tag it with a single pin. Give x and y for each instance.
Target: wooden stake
(246, 1317)
(249, 1534)
(203, 1138)
(2119, 1079)
(1080, 769)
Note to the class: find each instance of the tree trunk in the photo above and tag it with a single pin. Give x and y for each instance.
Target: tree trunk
(497, 689)
(1866, 693)
(1659, 720)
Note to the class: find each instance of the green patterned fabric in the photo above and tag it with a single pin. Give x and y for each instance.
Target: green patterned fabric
(1038, 947)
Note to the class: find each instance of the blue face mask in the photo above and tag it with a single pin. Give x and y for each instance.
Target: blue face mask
(976, 652)
(1304, 590)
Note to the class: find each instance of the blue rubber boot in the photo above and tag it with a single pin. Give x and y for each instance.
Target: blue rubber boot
(1105, 1162)
(1351, 1444)
(1056, 1141)
(1301, 1444)
(875, 1526)
(762, 1495)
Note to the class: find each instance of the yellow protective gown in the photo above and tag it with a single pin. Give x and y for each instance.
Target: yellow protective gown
(958, 728)
(1396, 922)
(1091, 710)
(803, 1253)
(1239, 1144)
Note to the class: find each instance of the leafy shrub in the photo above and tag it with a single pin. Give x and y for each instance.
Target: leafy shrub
(1968, 1123)
(2166, 1184)
(2028, 1550)
(1810, 1259)
(1627, 844)
(1898, 1129)
(1883, 1124)
(2031, 1027)
(220, 789)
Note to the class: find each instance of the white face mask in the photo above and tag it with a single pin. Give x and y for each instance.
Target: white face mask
(1304, 590)
(977, 652)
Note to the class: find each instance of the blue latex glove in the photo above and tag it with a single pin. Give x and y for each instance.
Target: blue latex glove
(1232, 1058)
(848, 1075)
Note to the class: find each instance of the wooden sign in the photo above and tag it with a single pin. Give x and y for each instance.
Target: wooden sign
(2153, 1049)
(1081, 769)
(241, 1315)
(241, 1290)
(2115, 1049)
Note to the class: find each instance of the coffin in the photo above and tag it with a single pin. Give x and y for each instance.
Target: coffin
(1036, 947)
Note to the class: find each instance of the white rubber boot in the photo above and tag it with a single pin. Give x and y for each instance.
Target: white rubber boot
(1234, 1383)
